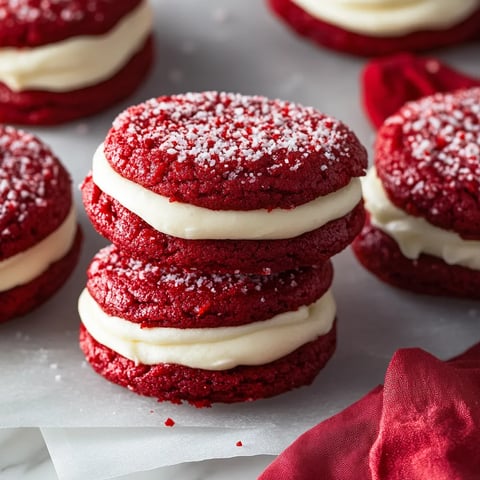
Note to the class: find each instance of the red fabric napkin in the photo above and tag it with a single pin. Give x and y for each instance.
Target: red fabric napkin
(388, 83)
(423, 424)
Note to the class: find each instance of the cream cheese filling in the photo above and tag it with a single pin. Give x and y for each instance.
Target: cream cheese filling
(193, 223)
(29, 264)
(76, 62)
(210, 348)
(390, 17)
(415, 235)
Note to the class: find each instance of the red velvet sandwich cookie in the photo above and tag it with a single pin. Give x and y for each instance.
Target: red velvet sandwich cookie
(185, 335)
(65, 59)
(222, 181)
(39, 237)
(381, 27)
(423, 197)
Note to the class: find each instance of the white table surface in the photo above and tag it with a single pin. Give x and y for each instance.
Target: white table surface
(232, 46)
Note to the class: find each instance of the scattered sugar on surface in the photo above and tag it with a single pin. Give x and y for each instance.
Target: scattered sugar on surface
(443, 134)
(228, 132)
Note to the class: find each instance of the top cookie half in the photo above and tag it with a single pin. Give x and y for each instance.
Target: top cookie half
(228, 167)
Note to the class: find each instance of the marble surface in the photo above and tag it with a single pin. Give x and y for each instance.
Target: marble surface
(24, 456)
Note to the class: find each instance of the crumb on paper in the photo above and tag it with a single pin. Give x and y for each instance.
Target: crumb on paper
(239, 444)
(54, 366)
(58, 378)
(169, 422)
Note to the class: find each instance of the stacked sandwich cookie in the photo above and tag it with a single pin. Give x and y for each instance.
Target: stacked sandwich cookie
(382, 27)
(223, 211)
(65, 59)
(39, 236)
(423, 197)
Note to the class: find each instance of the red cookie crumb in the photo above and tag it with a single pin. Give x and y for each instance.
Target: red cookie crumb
(239, 444)
(226, 151)
(175, 383)
(380, 254)
(346, 41)
(35, 191)
(169, 422)
(136, 237)
(153, 295)
(428, 159)
(31, 23)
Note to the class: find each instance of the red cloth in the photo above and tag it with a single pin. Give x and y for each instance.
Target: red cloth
(388, 83)
(423, 424)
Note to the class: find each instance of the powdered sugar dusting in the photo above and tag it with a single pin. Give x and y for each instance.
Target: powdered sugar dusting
(191, 280)
(30, 11)
(442, 133)
(229, 132)
(27, 173)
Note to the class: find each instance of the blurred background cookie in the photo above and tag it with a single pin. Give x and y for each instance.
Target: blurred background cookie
(65, 59)
(39, 236)
(380, 27)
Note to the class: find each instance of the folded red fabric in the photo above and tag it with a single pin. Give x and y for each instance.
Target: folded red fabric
(423, 424)
(388, 83)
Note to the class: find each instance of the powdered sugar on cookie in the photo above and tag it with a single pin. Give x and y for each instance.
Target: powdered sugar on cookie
(428, 158)
(235, 143)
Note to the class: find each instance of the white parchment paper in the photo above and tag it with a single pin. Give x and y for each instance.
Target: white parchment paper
(44, 381)
(80, 454)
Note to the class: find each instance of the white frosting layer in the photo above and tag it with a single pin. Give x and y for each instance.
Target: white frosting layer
(192, 223)
(76, 62)
(210, 348)
(390, 17)
(415, 235)
(29, 264)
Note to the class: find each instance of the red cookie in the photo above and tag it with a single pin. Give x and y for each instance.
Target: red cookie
(380, 254)
(153, 295)
(427, 157)
(337, 38)
(235, 154)
(176, 383)
(39, 237)
(108, 39)
(424, 205)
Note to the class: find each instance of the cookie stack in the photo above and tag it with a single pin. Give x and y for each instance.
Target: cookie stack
(223, 211)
